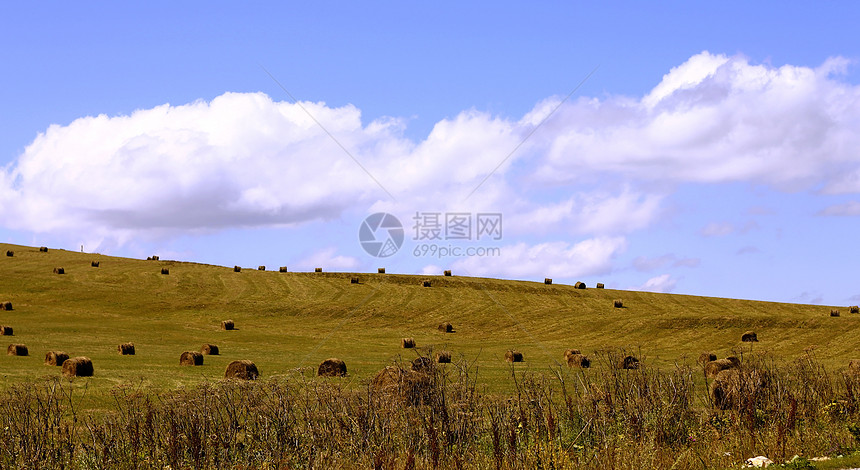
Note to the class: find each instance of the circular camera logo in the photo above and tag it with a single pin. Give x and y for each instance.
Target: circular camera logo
(381, 235)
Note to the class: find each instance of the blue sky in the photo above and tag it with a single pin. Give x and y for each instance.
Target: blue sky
(713, 151)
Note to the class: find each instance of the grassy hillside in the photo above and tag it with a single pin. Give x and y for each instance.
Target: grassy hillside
(291, 320)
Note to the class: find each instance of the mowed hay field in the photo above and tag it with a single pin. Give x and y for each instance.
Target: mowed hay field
(286, 321)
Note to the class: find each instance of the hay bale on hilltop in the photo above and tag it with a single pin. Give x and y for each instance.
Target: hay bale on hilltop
(209, 349)
(17, 350)
(126, 349)
(332, 367)
(579, 285)
(443, 357)
(317, 270)
(422, 364)
(261, 268)
(579, 361)
(228, 325)
(834, 313)
(55, 358)
(6, 306)
(426, 283)
(353, 280)
(237, 269)
(242, 369)
(43, 249)
(547, 281)
(628, 362)
(749, 337)
(6, 330)
(447, 272)
(10, 253)
(617, 303)
(282, 269)
(59, 271)
(570, 352)
(513, 356)
(165, 271)
(191, 358)
(712, 368)
(95, 264)
(445, 327)
(381, 270)
(78, 367)
(705, 358)
(854, 309)
(599, 285)
(153, 258)
(407, 343)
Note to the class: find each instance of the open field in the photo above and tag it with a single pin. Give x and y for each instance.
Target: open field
(292, 320)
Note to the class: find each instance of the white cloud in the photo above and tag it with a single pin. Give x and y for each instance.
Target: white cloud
(717, 229)
(850, 209)
(662, 283)
(329, 260)
(552, 259)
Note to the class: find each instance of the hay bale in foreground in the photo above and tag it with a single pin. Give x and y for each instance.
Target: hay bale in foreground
(332, 367)
(749, 337)
(381, 270)
(443, 357)
(228, 325)
(55, 358)
(426, 283)
(17, 350)
(95, 264)
(705, 358)
(78, 367)
(261, 268)
(43, 249)
(579, 361)
(445, 327)
(617, 303)
(209, 350)
(282, 269)
(854, 309)
(126, 349)
(165, 271)
(395, 383)
(10, 253)
(353, 280)
(571, 352)
(547, 281)
(733, 385)
(712, 368)
(6, 330)
(6, 306)
(191, 358)
(59, 271)
(513, 356)
(317, 270)
(407, 343)
(422, 364)
(242, 369)
(447, 272)
(628, 362)
(237, 269)
(579, 285)
(599, 285)
(834, 313)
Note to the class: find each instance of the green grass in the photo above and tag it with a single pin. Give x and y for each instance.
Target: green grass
(287, 321)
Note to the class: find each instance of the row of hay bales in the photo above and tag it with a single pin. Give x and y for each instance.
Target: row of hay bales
(576, 285)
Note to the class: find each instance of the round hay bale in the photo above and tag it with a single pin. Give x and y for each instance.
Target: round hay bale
(317, 270)
(165, 271)
(413, 388)
(570, 352)
(712, 368)
(407, 343)
(228, 325)
(617, 303)
(149, 258)
(628, 362)
(579, 285)
(17, 350)
(59, 271)
(6, 306)
(447, 272)
(854, 366)
(332, 367)
(78, 367)
(732, 385)
(749, 337)
(834, 313)
(55, 358)
(734, 360)
(243, 369)
(353, 280)
(443, 357)
(237, 269)
(705, 358)
(854, 309)
(547, 281)
(513, 356)
(426, 283)
(282, 269)
(579, 361)
(388, 381)
(191, 358)
(10, 253)
(422, 364)
(261, 268)
(6, 330)
(95, 264)
(445, 327)
(599, 285)
(43, 249)
(126, 349)
(209, 350)
(381, 270)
